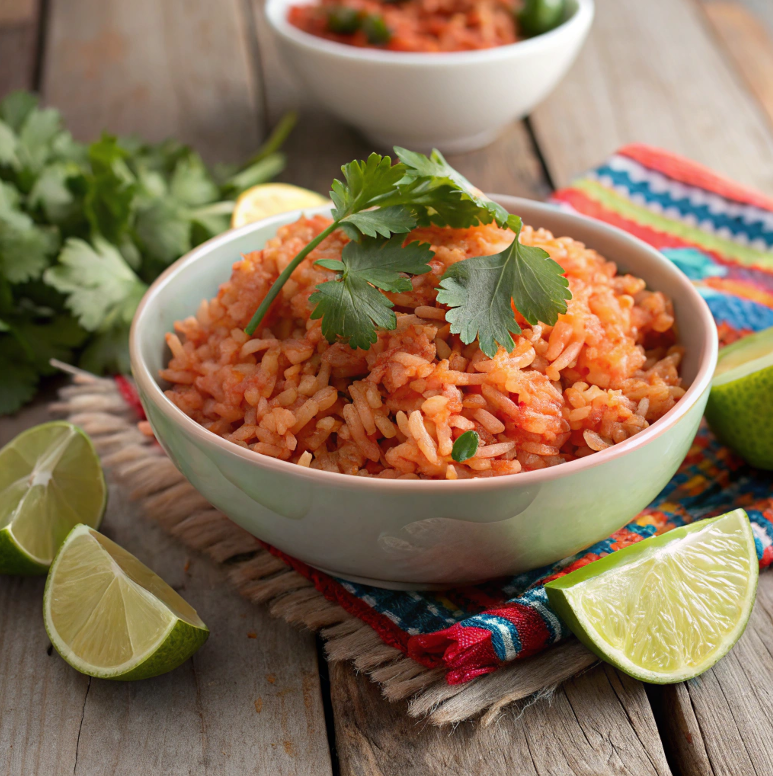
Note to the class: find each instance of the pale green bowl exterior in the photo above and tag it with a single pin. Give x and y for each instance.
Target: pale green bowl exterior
(406, 534)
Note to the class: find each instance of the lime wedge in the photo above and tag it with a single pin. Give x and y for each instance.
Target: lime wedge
(270, 199)
(50, 480)
(110, 616)
(740, 406)
(666, 609)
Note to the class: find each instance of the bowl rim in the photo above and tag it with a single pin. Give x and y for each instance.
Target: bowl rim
(150, 390)
(275, 12)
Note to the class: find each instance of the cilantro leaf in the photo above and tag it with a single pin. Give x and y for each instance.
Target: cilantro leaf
(481, 291)
(54, 195)
(8, 146)
(56, 338)
(465, 446)
(15, 108)
(111, 188)
(25, 248)
(365, 183)
(36, 136)
(101, 288)
(165, 231)
(191, 184)
(384, 221)
(433, 173)
(18, 378)
(352, 307)
(107, 352)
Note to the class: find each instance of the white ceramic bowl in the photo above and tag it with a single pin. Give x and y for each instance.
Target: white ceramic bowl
(455, 101)
(404, 533)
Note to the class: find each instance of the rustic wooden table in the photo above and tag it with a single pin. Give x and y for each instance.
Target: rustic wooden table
(691, 76)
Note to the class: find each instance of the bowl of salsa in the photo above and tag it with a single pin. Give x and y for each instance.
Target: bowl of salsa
(430, 73)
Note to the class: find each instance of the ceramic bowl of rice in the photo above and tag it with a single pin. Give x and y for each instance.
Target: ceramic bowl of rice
(342, 458)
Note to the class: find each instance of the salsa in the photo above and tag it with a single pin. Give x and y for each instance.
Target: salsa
(414, 25)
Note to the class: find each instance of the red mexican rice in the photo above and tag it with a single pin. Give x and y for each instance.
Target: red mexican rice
(606, 370)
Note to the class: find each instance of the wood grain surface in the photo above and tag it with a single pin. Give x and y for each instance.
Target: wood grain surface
(598, 723)
(722, 722)
(248, 702)
(749, 43)
(18, 44)
(160, 68)
(652, 72)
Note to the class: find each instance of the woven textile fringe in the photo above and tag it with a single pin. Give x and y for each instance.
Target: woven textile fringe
(141, 467)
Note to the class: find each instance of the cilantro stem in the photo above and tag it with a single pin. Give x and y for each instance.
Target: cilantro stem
(224, 208)
(273, 292)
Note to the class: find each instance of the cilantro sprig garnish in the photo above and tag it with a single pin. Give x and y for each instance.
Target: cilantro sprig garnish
(378, 203)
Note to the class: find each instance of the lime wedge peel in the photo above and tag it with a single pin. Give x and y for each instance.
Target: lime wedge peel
(50, 480)
(740, 405)
(668, 608)
(110, 616)
(744, 357)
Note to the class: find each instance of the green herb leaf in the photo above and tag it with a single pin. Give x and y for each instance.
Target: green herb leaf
(191, 184)
(54, 194)
(8, 146)
(465, 446)
(384, 222)
(343, 20)
(481, 291)
(164, 229)
(433, 173)
(18, 378)
(25, 248)
(107, 352)
(102, 290)
(352, 307)
(364, 183)
(36, 137)
(376, 30)
(16, 107)
(111, 189)
(43, 341)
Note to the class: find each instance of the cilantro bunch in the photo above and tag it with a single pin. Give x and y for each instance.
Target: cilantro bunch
(85, 228)
(378, 203)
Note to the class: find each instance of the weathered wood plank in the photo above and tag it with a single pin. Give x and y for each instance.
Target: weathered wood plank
(731, 705)
(19, 20)
(159, 68)
(598, 723)
(41, 699)
(749, 44)
(763, 9)
(652, 72)
(248, 702)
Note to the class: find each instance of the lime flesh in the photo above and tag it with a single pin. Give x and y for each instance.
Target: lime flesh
(50, 480)
(668, 608)
(110, 616)
(740, 406)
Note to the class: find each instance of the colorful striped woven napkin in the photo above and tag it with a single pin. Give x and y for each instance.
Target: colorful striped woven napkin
(721, 236)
